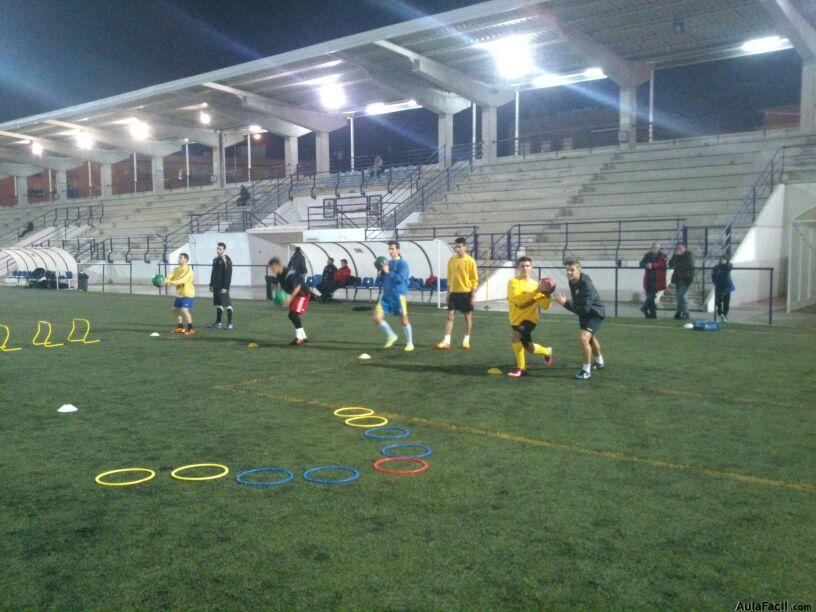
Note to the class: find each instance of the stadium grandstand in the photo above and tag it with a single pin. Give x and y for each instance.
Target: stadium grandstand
(124, 183)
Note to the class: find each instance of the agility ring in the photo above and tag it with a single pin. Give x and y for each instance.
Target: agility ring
(342, 412)
(384, 451)
(128, 483)
(352, 421)
(422, 463)
(7, 337)
(355, 474)
(84, 338)
(375, 432)
(240, 478)
(224, 471)
(47, 342)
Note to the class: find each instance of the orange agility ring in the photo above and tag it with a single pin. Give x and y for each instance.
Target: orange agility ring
(423, 465)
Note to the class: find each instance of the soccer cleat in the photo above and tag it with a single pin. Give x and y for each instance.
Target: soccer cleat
(517, 373)
(215, 326)
(189, 332)
(723, 319)
(598, 366)
(391, 340)
(228, 326)
(466, 346)
(582, 375)
(296, 342)
(548, 360)
(409, 348)
(178, 330)
(443, 346)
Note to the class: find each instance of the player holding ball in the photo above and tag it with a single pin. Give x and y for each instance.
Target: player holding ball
(524, 297)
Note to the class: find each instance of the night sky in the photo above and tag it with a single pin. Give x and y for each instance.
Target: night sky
(57, 53)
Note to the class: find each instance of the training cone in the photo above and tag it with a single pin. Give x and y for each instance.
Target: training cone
(494, 371)
(364, 356)
(252, 345)
(688, 326)
(155, 335)
(67, 408)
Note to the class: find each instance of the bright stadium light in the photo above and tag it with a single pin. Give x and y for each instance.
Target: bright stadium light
(139, 130)
(380, 108)
(550, 80)
(765, 45)
(204, 118)
(594, 73)
(332, 95)
(255, 129)
(36, 149)
(512, 55)
(84, 140)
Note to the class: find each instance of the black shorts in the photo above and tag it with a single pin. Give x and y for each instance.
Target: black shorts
(591, 324)
(221, 299)
(461, 302)
(525, 330)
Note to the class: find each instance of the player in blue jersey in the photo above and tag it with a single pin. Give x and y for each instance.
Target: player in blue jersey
(393, 299)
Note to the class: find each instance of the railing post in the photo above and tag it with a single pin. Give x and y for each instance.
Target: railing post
(753, 203)
(617, 268)
(509, 244)
(684, 234)
(475, 242)
(770, 298)
(705, 244)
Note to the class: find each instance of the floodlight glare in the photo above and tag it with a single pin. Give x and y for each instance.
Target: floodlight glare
(594, 73)
(549, 80)
(512, 55)
(332, 95)
(36, 149)
(256, 137)
(139, 130)
(375, 108)
(255, 129)
(765, 45)
(204, 118)
(84, 140)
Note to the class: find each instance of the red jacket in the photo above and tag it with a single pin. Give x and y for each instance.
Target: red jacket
(658, 270)
(342, 274)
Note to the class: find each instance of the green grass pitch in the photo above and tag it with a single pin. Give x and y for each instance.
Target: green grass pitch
(683, 475)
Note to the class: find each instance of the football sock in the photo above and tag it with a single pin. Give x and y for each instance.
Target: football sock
(518, 349)
(218, 313)
(179, 324)
(386, 328)
(229, 315)
(189, 326)
(540, 350)
(447, 339)
(409, 334)
(587, 367)
(465, 340)
(300, 333)
(599, 360)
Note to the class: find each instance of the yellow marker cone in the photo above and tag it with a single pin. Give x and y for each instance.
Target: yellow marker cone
(494, 371)
(47, 342)
(84, 338)
(252, 345)
(6, 338)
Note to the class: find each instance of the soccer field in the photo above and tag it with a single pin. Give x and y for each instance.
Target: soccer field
(682, 475)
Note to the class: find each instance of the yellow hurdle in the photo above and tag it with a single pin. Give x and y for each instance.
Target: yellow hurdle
(6, 338)
(84, 339)
(47, 342)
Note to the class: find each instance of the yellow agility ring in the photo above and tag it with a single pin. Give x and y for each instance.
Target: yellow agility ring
(341, 412)
(151, 475)
(175, 472)
(382, 421)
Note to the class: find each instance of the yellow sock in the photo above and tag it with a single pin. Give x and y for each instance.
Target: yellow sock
(541, 350)
(518, 349)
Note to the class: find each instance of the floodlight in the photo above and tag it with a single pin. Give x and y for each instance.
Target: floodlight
(594, 73)
(376, 108)
(256, 137)
(84, 140)
(204, 118)
(512, 55)
(765, 45)
(36, 148)
(332, 95)
(139, 130)
(550, 80)
(255, 129)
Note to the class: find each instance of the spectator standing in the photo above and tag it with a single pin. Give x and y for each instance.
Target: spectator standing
(723, 287)
(220, 281)
(682, 264)
(654, 278)
(376, 166)
(244, 196)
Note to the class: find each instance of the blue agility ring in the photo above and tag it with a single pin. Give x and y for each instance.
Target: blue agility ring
(355, 474)
(240, 478)
(370, 433)
(427, 449)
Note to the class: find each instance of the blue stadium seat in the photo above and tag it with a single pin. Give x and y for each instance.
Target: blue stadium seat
(443, 284)
(316, 279)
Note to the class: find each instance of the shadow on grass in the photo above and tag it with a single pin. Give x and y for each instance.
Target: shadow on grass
(463, 369)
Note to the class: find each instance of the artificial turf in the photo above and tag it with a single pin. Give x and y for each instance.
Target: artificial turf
(683, 475)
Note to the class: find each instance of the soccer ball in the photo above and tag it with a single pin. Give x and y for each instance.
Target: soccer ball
(549, 285)
(380, 262)
(279, 297)
(157, 280)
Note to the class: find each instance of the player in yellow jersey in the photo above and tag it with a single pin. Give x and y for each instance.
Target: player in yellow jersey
(463, 279)
(184, 281)
(524, 297)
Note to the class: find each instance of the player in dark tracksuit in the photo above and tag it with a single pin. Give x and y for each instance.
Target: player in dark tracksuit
(587, 304)
(297, 298)
(220, 280)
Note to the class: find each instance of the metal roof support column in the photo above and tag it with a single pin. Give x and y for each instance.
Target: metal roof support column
(628, 117)
(516, 127)
(21, 189)
(290, 153)
(220, 162)
(106, 176)
(807, 116)
(351, 141)
(445, 136)
(489, 133)
(62, 185)
(157, 173)
(321, 151)
(249, 156)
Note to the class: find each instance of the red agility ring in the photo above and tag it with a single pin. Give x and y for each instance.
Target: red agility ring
(423, 465)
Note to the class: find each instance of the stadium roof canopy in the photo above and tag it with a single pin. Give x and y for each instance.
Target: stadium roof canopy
(482, 53)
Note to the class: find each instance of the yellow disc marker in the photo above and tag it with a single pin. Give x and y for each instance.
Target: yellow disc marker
(383, 421)
(341, 412)
(224, 472)
(150, 476)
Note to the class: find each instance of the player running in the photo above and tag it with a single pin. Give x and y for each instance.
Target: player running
(524, 296)
(297, 298)
(184, 280)
(463, 279)
(394, 297)
(586, 303)
(220, 279)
